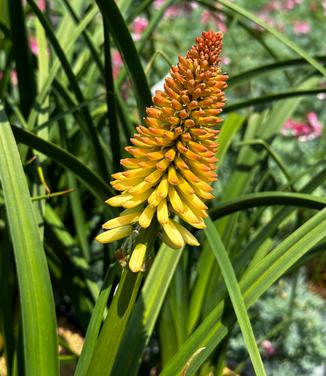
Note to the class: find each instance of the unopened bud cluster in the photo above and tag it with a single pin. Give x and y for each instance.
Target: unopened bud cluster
(173, 159)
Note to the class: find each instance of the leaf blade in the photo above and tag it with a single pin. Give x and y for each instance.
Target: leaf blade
(36, 297)
(233, 288)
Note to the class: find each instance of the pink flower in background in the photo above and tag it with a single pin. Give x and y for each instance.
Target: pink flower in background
(314, 123)
(226, 60)
(42, 5)
(176, 10)
(268, 348)
(272, 5)
(290, 4)
(173, 11)
(158, 3)
(33, 45)
(217, 18)
(13, 77)
(206, 16)
(138, 27)
(323, 4)
(321, 96)
(117, 63)
(301, 27)
(265, 16)
(281, 5)
(295, 128)
(303, 131)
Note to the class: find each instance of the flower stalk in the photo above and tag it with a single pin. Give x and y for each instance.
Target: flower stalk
(173, 164)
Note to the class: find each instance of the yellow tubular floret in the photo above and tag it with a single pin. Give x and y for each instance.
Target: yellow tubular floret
(121, 221)
(189, 216)
(127, 182)
(119, 200)
(162, 212)
(193, 200)
(136, 200)
(137, 258)
(140, 188)
(173, 234)
(187, 235)
(138, 172)
(167, 241)
(184, 186)
(153, 199)
(154, 177)
(163, 187)
(146, 216)
(173, 176)
(175, 200)
(114, 234)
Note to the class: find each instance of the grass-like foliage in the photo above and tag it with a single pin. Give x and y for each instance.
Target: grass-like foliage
(174, 296)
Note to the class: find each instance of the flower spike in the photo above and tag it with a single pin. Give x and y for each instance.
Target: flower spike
(173, 154)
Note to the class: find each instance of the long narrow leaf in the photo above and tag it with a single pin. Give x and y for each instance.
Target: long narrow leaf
(233, 288)
(127, 47)
(92, 181)
(110, 337)
(95, 324)
(272, 97)
(36, 297)
(266, 199)
(23, 56)
(289, 63)
(230, 127)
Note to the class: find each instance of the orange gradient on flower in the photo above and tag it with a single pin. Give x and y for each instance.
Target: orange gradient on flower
(173, 161)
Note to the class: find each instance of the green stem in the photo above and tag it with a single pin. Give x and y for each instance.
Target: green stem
(95, 322)
(110, 338)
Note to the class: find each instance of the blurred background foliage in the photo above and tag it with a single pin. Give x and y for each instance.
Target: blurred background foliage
(74, 87)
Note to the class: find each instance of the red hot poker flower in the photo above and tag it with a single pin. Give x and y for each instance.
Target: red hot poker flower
(173, 154)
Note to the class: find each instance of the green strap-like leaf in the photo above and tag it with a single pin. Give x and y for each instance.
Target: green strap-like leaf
(230, 127)
(233, 288)
(95, 324)
(115, 323)
(266, 199)
(23, 56)
(36, 298)
(272, 97)
(92, 181)
(264, 69)
(127, 47)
